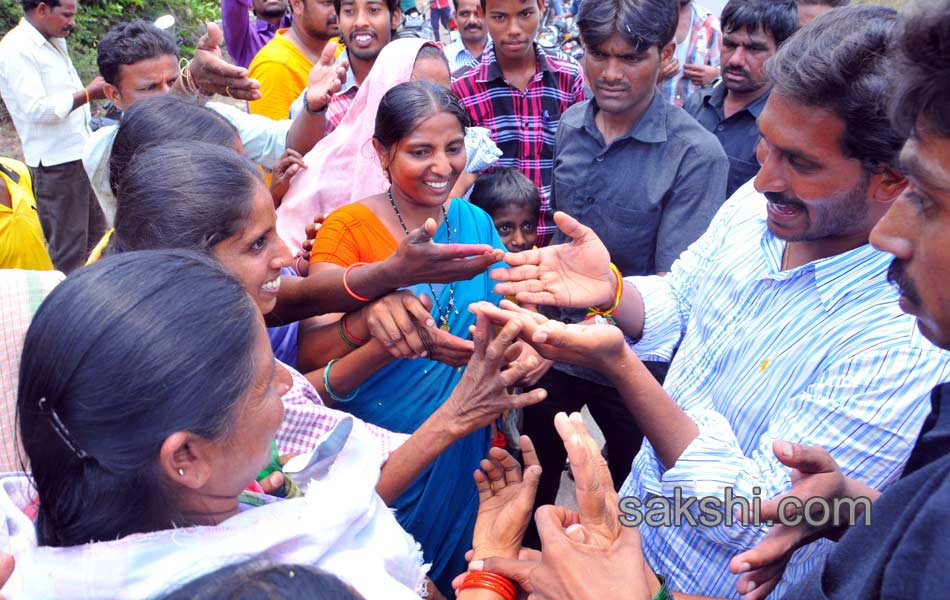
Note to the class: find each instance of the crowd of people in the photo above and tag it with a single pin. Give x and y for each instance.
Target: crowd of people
(317, 316)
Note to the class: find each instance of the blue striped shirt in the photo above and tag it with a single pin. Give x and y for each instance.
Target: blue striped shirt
(820, 354)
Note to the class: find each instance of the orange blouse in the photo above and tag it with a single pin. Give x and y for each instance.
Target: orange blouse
(352, 234)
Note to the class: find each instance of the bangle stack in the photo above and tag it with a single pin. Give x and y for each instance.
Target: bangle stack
(326, 385)
(187, 80)
(346, 287)
(608, 314)
(489, 581)
(351, 340)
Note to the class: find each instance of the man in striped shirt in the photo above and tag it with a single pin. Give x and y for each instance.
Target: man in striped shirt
(786, 325)
(519, 93)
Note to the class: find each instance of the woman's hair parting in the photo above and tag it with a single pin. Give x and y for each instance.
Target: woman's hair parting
(119, 356)
(408, 104)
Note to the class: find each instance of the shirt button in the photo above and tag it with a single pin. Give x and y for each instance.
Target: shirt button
(600, 158)
(720, 127)
(590, 199)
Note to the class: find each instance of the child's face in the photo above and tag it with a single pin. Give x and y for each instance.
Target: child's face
(517, 225)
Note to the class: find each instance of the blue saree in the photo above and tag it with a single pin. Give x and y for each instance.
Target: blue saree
(439, 507)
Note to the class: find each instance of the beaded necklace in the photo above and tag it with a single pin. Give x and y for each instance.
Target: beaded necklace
(443, 317)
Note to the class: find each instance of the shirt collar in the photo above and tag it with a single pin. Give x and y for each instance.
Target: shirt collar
(261, 25)
(650, 129)
(490, 70)
(34, 34)
(835, 276)
(716, 97)
(350, 81)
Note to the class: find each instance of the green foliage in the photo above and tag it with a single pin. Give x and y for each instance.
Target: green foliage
(96, 16)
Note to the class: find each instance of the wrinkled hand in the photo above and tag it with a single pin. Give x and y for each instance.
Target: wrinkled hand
(482, 392)
(576, 274)
(7, 564)
(397, 320)
(325, 79)
(585, 345)
(701, 75)
(669, 69)
(96, 88)
(447, 348)
(814, 474)
(520, 352)
(505, 500)
(419, 260)
(213, 75)
(290, 163)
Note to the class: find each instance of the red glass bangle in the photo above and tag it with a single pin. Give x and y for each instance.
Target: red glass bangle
(346, 287)
(490, 581)
(349, 333)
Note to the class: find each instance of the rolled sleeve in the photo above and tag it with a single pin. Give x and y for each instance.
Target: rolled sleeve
(664, 321)
(867, 423)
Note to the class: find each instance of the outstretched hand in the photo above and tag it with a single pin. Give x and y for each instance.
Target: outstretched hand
(213, 75)
(420, 260)
(325, 79)
(586, 345)
(815, 474)
(505, 499)
(576, 274)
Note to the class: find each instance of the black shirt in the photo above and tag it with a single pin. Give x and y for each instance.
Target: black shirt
(905, 552)
(739, 134)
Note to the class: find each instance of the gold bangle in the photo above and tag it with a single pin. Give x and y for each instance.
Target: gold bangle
(86, 91)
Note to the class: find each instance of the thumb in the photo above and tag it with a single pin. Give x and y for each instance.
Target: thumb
(326, 57)
(215, 36)
(426, 301)
(573, 228)
(807, 459)
(423, 234)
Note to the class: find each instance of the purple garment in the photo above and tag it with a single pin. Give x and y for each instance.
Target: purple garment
(283, 339)
(243, 38)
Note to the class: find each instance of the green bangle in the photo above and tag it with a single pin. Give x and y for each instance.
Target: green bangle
(664, 593)
(326, 385)
(342, 331)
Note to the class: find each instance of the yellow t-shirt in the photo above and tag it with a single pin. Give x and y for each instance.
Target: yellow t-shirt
(21, 237)
(282, 70)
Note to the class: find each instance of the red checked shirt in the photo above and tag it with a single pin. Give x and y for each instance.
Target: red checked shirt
(341, 101)
(523, 123)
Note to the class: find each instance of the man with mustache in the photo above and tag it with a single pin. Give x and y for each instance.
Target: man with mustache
(645, 177)
(785, 324)
(905, 550)
(50, 109)
(467, 51)
(245, 39)
(752, 31)
(282, 66)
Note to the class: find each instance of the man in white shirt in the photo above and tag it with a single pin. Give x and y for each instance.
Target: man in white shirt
(467, 51)
(50, 109)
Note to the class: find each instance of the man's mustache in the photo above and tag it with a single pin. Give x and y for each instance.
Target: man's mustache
(897, 276)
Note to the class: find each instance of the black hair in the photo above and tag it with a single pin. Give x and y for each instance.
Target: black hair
(920, 71)
(838, 63)
(406, 104)
(392, 5)
(118, 357)
(831, 3)
(161, 119)
(189, 196)
(131, 42)
(640, 23)
(251, 581)
(29, 5)
(778, 18)
(485, 3)
(505, 187)
(431, 51)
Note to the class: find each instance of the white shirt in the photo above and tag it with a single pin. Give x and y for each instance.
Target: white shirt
(37, 83)
(264, 142)
(818, 355)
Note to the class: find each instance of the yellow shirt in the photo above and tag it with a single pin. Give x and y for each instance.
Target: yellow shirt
(282, 70)
(21, 238)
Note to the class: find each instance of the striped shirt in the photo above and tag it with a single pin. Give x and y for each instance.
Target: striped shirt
(702, 48)
(523, 123)
(819, 354)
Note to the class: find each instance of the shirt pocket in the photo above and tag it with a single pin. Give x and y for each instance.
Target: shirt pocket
(740, 171)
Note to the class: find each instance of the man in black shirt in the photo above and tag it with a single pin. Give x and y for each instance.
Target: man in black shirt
(751, 32)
